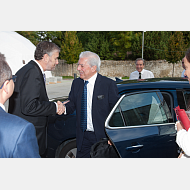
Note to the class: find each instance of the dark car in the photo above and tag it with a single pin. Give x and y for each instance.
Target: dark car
(141, 124)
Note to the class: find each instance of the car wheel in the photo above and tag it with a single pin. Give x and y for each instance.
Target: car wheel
(67, 149)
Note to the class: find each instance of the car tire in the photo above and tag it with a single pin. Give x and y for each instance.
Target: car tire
(67, 149)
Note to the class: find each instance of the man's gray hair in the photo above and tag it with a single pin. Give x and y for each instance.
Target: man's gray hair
(45, 47)
(139, 59)
(5, 70)
(92, 59)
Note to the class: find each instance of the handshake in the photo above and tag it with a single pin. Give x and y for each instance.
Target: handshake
(61, 107)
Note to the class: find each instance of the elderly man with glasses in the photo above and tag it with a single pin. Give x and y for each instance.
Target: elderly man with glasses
(17, 136)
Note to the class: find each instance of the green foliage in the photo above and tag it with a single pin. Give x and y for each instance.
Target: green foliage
(71, 47)
(157, 42)
(67, 77)
(114, 45)
(176, 47)
(126, 77)
(136, 45)
(97, 42)
(121, 43)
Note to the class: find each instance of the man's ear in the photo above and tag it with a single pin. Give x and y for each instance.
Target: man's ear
(46, 57)
(94, 68)
(5, 86)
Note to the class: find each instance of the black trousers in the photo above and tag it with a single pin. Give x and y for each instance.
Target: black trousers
(88, 140)
(41, 134)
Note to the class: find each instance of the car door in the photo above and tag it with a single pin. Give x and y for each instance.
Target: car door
(141, 125)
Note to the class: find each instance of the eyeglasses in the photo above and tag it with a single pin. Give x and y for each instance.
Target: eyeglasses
(13, 78)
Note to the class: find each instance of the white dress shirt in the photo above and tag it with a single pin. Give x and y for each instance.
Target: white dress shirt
(144, 74)
(90, 90)
(183, 141)
(182, 74)
(1, 105)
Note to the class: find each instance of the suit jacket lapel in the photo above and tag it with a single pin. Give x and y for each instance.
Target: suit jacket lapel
(97, 87)
(34, 63)
(81, 87)
(41, 75)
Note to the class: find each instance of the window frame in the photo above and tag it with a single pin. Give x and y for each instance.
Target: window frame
(117, 105)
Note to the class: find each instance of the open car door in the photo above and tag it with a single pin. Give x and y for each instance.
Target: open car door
(141, 126)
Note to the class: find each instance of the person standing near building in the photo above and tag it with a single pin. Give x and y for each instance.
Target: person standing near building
(17, 136)
(30, 100)
(140, 72)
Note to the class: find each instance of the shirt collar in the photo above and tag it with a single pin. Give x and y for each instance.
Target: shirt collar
(142, 71)
(1, 105)
(93, 79)
(39, 66)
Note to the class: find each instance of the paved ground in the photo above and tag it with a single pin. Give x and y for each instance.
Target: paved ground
(59, 89)
(55, 90)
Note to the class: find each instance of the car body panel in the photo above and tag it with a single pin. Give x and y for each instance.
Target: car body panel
(156, 140)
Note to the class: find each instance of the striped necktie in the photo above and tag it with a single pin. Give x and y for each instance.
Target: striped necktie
(83, 122)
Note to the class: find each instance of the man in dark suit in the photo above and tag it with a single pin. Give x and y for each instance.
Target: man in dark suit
(30, 100)
(17, 136)
(102, 94)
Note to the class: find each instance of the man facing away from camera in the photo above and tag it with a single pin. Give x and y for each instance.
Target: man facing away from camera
(17, 136)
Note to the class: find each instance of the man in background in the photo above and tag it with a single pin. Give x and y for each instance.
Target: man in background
(183, 72)
(30, 100)
(17, 136)
(140, 72)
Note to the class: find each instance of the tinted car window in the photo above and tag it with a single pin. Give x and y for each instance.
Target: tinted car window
(116, 119)
(187, 99)
(139, 109)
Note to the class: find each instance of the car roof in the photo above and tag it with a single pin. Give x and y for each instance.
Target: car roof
(154, 83)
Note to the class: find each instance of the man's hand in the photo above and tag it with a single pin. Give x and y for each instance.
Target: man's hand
(179, 126)
(66, 101)
(109, 142)
(61, 108)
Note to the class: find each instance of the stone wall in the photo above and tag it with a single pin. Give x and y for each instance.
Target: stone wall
(160, 68)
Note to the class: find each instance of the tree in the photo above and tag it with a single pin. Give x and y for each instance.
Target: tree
(97, 42)
(176, 48)
(71, 47)
(155, 44)
(121, 42)
(136, 45)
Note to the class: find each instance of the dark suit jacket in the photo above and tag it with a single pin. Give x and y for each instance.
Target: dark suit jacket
(17, 137)
(105, 96)
(30, 100)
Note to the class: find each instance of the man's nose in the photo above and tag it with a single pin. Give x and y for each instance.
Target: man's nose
(79, 68)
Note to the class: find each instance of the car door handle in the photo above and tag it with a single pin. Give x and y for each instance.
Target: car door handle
(135, 148)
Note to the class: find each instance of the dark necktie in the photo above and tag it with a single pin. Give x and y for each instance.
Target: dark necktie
(83, 117)
(44, 75)
(139, 75)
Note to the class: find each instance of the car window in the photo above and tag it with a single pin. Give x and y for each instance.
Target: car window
(187, 99)
(139, 109)
(183, 98)
(116, 119)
